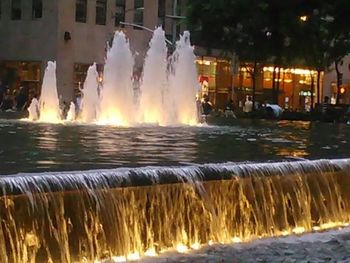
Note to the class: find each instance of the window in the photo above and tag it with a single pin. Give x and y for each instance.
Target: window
(120, 12)
(37, 9)
(101, 7)
(80, 11)
(161, 12)
(138, 13)
(16, 10)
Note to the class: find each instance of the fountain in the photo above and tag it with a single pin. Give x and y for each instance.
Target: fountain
(183, 82)
(117, 95)
(49, 103)
(153, 106)
(90, 101)
(167, 98)
(127, 213)
(33, 110)
(71, 112)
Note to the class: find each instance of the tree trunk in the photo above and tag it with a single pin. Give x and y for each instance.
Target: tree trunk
(254, 83)
(318, 87)
(278, 86)
(274, 84)
(339, 80)
(312, 91)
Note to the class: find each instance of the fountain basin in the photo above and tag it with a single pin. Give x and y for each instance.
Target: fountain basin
(107, 214)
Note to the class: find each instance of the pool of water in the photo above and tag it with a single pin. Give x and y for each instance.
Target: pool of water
(34, 147)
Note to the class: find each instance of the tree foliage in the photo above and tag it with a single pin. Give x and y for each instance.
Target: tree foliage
(312, 33)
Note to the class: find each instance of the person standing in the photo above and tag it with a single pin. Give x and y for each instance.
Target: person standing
(248, 105)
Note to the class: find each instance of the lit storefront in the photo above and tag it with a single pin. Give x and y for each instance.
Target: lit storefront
(293, 87)
(21, 76)
(216, 80)
(344, 92)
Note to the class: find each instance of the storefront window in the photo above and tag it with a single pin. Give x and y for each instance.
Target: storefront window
(21, 78)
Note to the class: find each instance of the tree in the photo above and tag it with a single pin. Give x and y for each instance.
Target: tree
(313, 33)
(243, 30)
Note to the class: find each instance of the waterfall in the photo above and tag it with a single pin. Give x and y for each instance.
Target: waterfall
(127, 213)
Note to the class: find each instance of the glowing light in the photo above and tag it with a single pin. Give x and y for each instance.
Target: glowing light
(113, 117)
(133, 256)
(195, 246)
(210, 243)
(298, 230)
(303, 18)
(236, 240)
(151, 252)
(49, 116)
(181, 248)
(342, 90)
(119, 259)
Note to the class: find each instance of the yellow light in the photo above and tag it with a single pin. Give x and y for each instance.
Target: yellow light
(303, 18)
(342, 90)
(236, 240)
(196, 246)
(49, 116)
(181, 248)
(119, 259)
(298, 230)
(133, 256)
(151, 252)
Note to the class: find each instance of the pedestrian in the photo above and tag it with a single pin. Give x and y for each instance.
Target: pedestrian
(229, 109)
(248, 105)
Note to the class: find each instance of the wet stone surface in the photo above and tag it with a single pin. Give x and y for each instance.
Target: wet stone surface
(332, 246)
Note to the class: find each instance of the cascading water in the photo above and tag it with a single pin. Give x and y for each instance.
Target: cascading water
(71, 113)
(153, 108)
(117, 105)
(126, 213)
(183, 81)
(49, 103)
(90, 101)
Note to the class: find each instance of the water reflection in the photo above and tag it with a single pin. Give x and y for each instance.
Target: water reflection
(41, 147)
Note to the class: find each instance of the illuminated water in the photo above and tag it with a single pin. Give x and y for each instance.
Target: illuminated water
(117, 105)
(154, 93)
(90, 102)
(166, 97)
(49, 102)
(117, 213)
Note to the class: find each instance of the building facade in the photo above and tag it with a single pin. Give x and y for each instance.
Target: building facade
(74, 33)
(330, 82)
